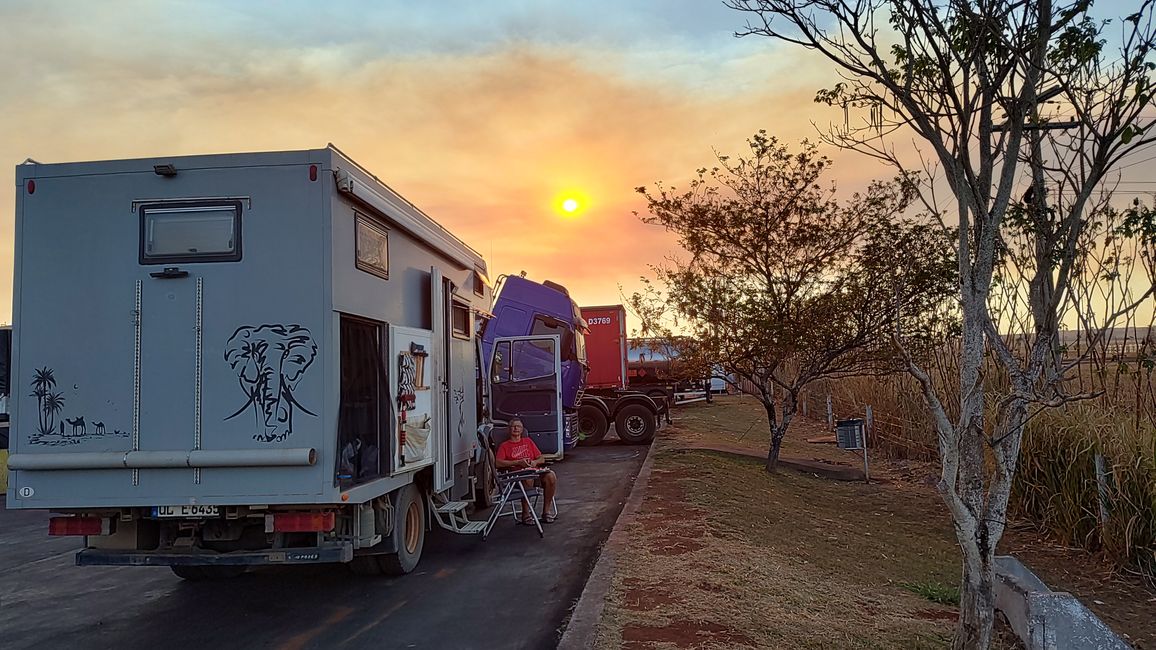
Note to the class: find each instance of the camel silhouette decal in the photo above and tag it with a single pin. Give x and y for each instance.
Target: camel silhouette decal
(77, 424)
(269, 361)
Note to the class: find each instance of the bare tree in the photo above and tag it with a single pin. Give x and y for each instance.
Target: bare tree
(969, 79)
(784, 286)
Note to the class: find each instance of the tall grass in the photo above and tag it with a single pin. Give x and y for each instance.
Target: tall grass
(1056, 484)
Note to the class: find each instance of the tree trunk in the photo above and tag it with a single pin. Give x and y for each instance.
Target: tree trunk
(773, 452)
(778, 429)
(976, 601)
(776, 437)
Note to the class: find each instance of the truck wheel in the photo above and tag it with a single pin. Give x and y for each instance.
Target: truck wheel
(408, 531)
(190, 573)
(635, 424)
(365, 565)
(199, 573)
(487, 486)
(592, 425)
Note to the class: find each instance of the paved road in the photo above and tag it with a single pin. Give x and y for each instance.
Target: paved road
(511, 591)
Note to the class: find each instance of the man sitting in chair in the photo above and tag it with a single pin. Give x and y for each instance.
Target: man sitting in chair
(519, 452)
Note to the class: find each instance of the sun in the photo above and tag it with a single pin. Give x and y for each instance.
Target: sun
(571, 203)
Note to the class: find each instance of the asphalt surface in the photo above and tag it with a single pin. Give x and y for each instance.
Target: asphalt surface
(513, 590)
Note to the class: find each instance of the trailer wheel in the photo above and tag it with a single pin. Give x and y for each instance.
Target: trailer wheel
(658, 393)
(409, 532)
(200, 573)
(635, 424)
(592, 425)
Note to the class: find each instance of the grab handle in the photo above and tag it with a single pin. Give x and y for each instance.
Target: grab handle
(169, 273)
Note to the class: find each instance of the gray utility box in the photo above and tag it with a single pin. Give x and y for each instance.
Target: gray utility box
(849, 434)
(263, 328)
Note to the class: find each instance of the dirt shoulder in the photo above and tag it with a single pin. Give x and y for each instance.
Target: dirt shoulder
(723, 555)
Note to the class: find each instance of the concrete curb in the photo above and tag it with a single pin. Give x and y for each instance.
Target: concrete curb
(582, 630)
(1044, 619)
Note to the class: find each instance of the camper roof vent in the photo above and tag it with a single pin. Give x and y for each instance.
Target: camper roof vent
(166, 170)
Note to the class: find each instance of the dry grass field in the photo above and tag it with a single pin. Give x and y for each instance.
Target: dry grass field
(723, 555)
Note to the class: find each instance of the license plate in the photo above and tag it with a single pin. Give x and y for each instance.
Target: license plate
(185, 511)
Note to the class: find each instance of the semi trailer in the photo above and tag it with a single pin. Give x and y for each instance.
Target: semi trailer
(239, 359)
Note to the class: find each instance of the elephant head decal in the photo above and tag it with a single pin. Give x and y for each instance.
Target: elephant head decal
(269, 361)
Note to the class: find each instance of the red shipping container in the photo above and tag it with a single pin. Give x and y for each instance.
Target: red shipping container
(606, 346)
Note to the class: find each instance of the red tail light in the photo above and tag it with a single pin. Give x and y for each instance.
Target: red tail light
(31, 186)
(78, 526)
(303, 522)
(312, 172)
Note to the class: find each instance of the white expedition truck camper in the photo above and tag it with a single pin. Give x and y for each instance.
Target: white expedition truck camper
(228, 360)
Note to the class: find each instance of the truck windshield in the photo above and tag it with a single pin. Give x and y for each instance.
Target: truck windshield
(547, 326)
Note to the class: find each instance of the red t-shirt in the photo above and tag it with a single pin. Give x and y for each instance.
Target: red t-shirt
(524, 448)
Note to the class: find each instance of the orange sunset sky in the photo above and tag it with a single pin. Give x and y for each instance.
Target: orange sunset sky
(481, 113)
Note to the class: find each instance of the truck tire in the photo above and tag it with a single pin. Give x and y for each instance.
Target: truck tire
(200, 573)
(409, 531)
(635, 424)
(592, 425)
(487, 486)
(365, 565)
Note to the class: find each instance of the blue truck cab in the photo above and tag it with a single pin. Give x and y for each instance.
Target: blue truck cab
(527, 308)
(518, 370)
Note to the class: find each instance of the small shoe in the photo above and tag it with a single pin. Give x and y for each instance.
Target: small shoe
(549, 519)
(525, 522)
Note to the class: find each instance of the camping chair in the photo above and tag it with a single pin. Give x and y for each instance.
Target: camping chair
(510, 485)
(533, 495)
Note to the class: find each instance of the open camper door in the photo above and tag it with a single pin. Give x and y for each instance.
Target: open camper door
(443, 452)
(415, 372)
(526, 383)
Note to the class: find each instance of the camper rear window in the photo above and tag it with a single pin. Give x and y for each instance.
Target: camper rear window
(185, 232)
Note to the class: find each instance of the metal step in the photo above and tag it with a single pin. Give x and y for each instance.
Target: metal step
(472, 527)
(453, 506)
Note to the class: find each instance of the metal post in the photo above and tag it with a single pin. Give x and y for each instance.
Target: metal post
(1102, 486)
(870, 420)
(830, 413)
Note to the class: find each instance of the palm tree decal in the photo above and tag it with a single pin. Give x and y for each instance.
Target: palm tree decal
(53, 404)
(42, 382)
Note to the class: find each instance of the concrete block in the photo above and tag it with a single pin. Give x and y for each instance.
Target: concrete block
(1044, 619)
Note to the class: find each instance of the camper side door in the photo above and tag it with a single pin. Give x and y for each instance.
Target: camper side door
(525, 378)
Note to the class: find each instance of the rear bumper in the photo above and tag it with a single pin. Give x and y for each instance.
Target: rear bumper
(313, 555)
